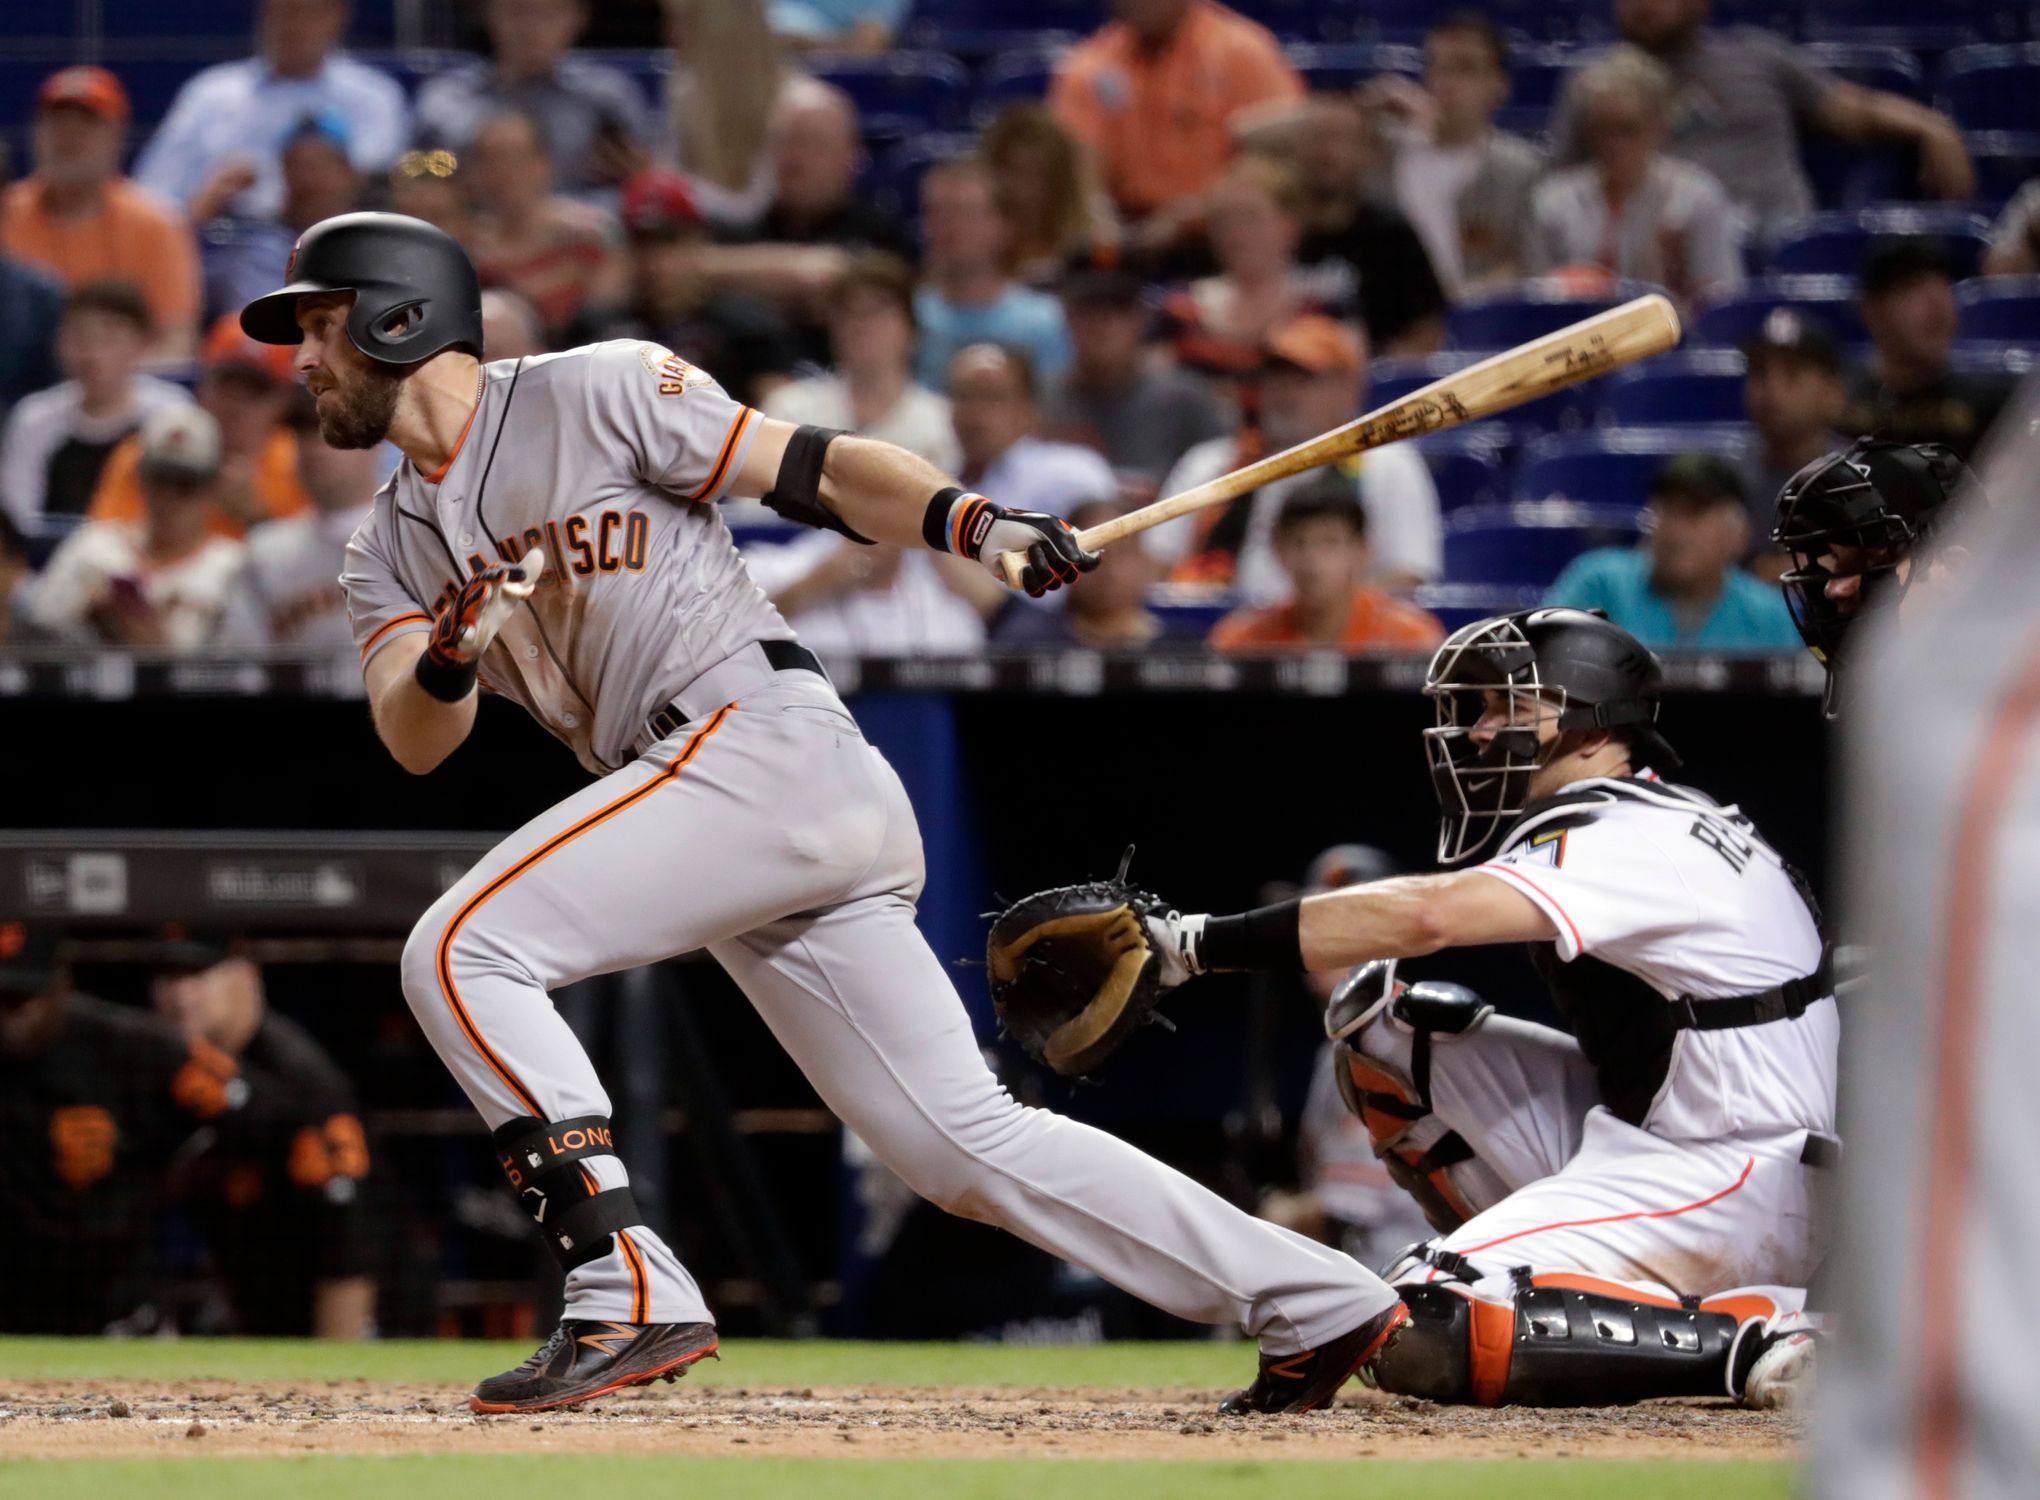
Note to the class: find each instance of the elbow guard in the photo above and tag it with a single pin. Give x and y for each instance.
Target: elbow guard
(797, 493)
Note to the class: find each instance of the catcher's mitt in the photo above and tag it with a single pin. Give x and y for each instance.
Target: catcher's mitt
(1073, 971)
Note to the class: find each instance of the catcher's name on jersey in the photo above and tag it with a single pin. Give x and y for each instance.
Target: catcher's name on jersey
(610, 458)
(1658, 894)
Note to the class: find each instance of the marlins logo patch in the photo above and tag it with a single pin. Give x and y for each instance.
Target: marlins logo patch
(1544, 849)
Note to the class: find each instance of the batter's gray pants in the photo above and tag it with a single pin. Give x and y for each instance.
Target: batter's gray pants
(774, 836)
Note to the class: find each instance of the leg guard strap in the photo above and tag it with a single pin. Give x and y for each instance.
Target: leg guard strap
(542, 1162)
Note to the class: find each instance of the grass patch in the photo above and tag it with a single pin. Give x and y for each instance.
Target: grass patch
(491, 1477)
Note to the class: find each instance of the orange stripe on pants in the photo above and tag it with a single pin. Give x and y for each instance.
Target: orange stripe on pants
(559, 841)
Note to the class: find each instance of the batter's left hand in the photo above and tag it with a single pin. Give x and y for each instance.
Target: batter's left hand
(1048, 544)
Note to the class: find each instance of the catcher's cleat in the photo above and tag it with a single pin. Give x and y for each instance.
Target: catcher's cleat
(1306, 1381)
(585, 1359)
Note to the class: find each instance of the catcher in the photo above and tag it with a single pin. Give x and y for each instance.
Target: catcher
(1629, 1211)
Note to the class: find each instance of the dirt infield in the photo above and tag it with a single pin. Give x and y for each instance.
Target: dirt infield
(145, 1419)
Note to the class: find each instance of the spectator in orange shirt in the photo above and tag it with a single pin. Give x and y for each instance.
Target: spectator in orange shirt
(1153, 91)
(1321, 542)
(248, 388)
(79, 217)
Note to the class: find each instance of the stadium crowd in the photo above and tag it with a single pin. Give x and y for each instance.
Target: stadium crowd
(1157, 252)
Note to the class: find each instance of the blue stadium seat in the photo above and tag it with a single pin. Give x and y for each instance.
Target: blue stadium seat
(900, 94)
(1735, 320)
(1503, 322)
(152, 80)
(1457, 604)
(1191, 609)
(1612, 466)
(1335, 67)
(1982, 357)
(1833, 244)
(1301, 20)
(39, 22)
(1528, 545)
(1466, 466)
(2005, 161)
(2002, 309)
(1875, 66)
(1676, 389)
(895, 176)
(988, 28)
(1901, 23)
(1011, 77)
(1991, 88)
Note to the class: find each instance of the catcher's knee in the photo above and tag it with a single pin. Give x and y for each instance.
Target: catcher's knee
(1554, 1346)
(1392, 1101)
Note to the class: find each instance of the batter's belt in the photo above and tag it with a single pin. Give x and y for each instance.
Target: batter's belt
(744, 670)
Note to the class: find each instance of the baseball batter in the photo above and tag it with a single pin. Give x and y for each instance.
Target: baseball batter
(552, 535)
(1632, 1210)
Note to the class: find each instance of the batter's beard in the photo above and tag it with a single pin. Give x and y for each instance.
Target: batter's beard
(360, 418)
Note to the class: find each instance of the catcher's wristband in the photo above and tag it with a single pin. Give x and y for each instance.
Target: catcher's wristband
(1268, 939)
(448, 681)
(957, 521)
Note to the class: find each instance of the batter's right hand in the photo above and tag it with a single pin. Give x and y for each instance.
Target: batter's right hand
(485, 601)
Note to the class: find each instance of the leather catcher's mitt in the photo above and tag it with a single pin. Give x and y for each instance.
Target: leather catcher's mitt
(1073, 972)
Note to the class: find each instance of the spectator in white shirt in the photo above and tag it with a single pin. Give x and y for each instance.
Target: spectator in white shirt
(157, 583)
(884, 599)
(1314, 377)
(596, 120)
(287, 593)
(248, 109)
(56, 441)
(1630, 210)
(872, 389)
(1464, 184)
(993, 405)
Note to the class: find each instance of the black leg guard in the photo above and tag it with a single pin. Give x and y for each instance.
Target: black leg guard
(579, 1223)
(1554, 1347)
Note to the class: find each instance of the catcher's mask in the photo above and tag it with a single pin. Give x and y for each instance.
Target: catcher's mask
(1860, 513)
(1496, 681)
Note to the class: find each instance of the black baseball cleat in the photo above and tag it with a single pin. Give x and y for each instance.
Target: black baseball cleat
(1306, 1381)
(584, 1359)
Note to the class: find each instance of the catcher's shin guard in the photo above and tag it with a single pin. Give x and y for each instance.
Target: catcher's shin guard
(1391, 1103)
(541, 1160)
(1556, 1346)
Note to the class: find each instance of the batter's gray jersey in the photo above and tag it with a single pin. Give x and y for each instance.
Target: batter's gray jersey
(288, 592)
(609, 457)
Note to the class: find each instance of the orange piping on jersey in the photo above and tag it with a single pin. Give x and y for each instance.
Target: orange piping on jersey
(1742, 1309)
(729, 450)
(1749, 1166)
(451, 992)
(1949, 1123)
(458, 443)
(1490, 1341)
(387, 626)
(1579, 943)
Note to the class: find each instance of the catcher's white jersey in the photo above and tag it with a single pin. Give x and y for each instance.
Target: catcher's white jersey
(1682, 894)
(614, 455)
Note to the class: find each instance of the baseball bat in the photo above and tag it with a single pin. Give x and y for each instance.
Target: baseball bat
(1579, 352)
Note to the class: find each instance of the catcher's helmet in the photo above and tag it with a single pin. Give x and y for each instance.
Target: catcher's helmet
(1877, 500)
(415, 290)
(1572, 664)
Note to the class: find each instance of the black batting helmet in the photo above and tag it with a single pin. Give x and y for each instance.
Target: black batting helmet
(1574, 665)
(415, 290)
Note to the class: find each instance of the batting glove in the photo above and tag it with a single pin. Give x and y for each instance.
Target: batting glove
(974, 527)
(1175, 939)
(462, 634)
